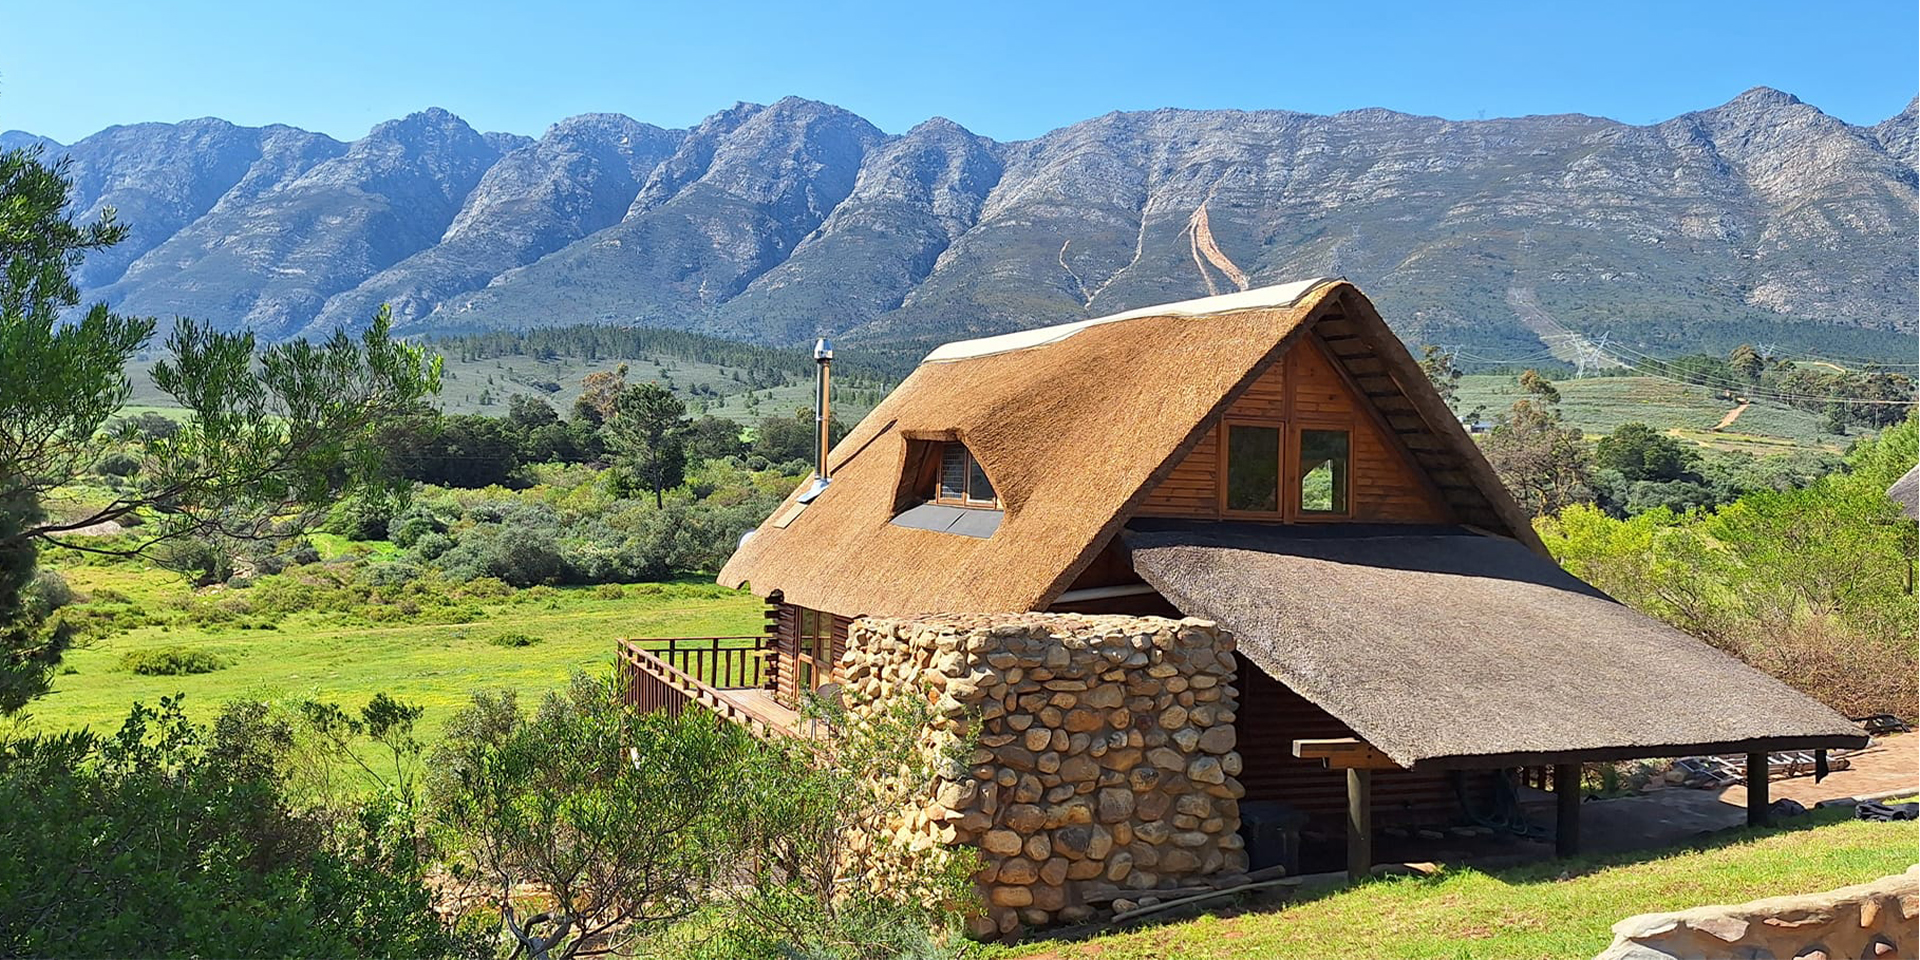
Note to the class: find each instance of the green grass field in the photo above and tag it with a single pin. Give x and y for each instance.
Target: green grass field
(1545, 910)
(465, 384)
(339, 657)
(1599, 405)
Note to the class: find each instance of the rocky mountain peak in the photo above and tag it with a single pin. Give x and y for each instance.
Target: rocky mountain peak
(784, 221)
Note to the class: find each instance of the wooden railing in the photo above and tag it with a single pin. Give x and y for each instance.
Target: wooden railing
(730, 663)
(656, 676)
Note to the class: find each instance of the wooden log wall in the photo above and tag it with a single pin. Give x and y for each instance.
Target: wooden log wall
(786, 673)
(1271, 717)
(1305, 389)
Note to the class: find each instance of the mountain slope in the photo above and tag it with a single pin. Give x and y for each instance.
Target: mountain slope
(1760, 219)
(577, 179)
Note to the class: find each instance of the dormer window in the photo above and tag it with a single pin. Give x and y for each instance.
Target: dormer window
(962, 483)
(944, 489)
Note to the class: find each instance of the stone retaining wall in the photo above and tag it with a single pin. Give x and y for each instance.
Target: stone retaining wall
(1871, 921)
(1105, 753)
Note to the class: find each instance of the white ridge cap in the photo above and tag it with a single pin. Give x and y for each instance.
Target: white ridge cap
(1278, 295)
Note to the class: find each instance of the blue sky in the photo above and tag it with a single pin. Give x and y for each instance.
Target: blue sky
(1008, 70)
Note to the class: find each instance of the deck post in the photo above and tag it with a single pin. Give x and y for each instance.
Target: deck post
(1566, 796)
(1359, 823)
(1757, 801)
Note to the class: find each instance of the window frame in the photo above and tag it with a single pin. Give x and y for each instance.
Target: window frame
(813, 649)
(1226, 467)
(969, 464)
(1296, 510)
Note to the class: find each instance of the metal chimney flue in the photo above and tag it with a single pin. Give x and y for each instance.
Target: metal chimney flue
(823, 405)
(822, 417)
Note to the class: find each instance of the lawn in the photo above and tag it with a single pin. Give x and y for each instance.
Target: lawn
(1552, 909)
(343, 658)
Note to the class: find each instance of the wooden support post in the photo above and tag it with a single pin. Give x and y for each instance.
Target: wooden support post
(1566, 795)
(1359, 822)
(1757, 801)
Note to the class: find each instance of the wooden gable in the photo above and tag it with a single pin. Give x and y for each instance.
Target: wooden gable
(1305, 388)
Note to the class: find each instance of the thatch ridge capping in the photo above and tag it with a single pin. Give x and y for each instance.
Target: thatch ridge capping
(1280, 295)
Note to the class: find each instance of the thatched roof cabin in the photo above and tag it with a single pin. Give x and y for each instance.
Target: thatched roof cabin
(1274, 461)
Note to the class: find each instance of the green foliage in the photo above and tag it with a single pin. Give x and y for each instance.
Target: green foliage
(782, 440)
(1533, 384)
(1813, 584)
(515, 639)
(170, 839)
(618, 819)
(806, 806)
(270, 437)
(1543, 462)
(170, 662)
(1437, 363)
(648, 428)
(1638, 452)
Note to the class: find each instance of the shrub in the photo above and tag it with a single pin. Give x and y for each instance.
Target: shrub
(200, 561)
(46, 592)
(362, 517)
(513, 640)
(117, 464)
(172, 839)
(389, 574)
(609, 591)
(171, 662)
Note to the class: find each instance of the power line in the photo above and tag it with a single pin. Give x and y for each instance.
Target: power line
(1748, 389)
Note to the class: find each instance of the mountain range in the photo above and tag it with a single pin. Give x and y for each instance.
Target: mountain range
(1760, 219)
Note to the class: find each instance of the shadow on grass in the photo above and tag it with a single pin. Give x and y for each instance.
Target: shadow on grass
(1542, 871)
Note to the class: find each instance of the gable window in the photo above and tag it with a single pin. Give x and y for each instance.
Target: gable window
(1253, 468)
(962, 483)
(1323, 480)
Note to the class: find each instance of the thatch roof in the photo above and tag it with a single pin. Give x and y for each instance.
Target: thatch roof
(1906, 491)
(1073, 425)
(1443, 648)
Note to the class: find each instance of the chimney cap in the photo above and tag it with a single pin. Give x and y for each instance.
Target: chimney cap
(823, 349)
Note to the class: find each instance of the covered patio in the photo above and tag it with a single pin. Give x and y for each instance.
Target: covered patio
(1440, 649)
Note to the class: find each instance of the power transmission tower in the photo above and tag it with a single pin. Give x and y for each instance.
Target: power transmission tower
(1590, 353)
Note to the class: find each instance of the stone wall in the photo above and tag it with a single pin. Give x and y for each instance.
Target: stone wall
(1104, 751)
(1871, 920)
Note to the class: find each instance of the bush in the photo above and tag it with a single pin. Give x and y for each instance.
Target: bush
(390, 574)
(172, 839)
(46, 592)
(200, 561)
(513, 640)
(118, 464)
(171, 662)
(363, 517)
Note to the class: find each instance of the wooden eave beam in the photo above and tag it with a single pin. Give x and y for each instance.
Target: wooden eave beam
(1344, 753)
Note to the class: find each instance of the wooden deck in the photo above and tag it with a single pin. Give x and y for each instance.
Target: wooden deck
(729, 676)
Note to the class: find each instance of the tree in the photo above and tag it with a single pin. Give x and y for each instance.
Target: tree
(598, 392)
(1640, 452)
(1534, 384)
(1745, 361)
(715, 438)
(787, 439)
(527, 412)
(616, 819)
(649, 430)
(175, 839)
(1544, 462)
(270, 439)
(1438, 365)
